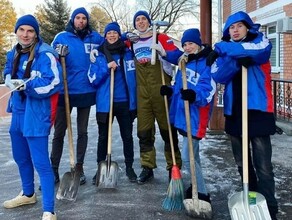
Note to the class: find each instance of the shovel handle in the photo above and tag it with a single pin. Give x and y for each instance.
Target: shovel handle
(189, 134)
(167, 118)
(153, 52)
(110, 118)
(68, 116)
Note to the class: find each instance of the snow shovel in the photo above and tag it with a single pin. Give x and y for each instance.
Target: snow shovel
(247, 205)
(107, 173)
(194, 207)
(70, 181)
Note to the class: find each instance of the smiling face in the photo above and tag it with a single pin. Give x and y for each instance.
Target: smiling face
(141, 23)
(112, 36)
(26, 35)
(237, 31)
(191, 47)
(80, 21)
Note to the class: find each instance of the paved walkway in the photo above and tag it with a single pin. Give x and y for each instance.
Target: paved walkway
(130, 201)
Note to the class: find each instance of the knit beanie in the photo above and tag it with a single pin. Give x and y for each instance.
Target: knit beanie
(113, 26)
(28, 20)
(138, 13)
(77, 11)
(191, 35)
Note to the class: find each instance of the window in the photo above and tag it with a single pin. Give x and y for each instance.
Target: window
(275, 53)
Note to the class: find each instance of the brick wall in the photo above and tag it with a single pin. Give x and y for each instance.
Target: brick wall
(265, 2)
(226, 6)
(287, 67)
(251, 6)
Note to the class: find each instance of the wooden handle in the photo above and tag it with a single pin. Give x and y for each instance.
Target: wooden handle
(153, 54)
(189, 134)
(167, 118)
(68, 116)
(244, 126)
(110, 118)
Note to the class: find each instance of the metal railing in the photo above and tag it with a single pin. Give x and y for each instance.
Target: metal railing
(282, 92)
(282, 95)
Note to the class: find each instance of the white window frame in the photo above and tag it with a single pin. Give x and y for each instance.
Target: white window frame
(275, 68)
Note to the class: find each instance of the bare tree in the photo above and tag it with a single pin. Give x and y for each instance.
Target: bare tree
(172, 11)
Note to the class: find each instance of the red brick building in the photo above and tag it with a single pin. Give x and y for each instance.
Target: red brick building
(275, 16)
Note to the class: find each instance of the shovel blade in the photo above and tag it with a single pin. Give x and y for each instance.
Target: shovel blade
(198, 208)
(69, 185)
(107, 175)
(258, 208)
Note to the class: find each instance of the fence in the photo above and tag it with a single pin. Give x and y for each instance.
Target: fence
(282, 93)
(282, 99)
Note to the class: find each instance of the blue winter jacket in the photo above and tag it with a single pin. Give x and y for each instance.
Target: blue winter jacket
(259, 78)
(77, 61)
(41, 93)
(199, 80)
(99, 76)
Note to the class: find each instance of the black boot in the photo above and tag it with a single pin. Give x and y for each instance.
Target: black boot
(79, 168)
(145, 175)
(131, 174)
(201, 196)
(273, 212)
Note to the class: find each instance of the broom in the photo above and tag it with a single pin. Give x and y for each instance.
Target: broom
(175, 192)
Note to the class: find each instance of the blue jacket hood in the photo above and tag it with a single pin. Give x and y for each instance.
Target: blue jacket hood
(240, 16)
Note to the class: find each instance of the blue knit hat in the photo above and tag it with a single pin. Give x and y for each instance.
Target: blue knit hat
(28, 20)
(113, 26)
(191, 35)
(77, 11)
(138, 13)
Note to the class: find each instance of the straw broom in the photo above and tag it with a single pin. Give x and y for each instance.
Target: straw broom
(175, 192)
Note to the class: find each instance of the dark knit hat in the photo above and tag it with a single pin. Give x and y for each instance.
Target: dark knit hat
(77, 11)
(113, 26)
(191, 35)
(138, 13)
(28, 20)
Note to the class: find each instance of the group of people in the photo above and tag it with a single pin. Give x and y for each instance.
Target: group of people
(33, 72)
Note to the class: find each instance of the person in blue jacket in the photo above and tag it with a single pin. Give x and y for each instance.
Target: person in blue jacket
(124, 98)
(81, 39)
(33, 72)
(243, 45)
(200, 92)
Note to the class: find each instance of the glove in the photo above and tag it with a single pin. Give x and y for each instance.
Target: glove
(8, 82)
(182, 58)
(211, 58)
(132, 37)
(93, 55)
(19, 84)
(166, 90)
(159, 49)
(62, 50)
(245, 61)
(188, 95)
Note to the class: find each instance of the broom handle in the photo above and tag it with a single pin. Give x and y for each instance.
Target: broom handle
(189, 134)
(109, 141)
(167, 118)
(67, 110)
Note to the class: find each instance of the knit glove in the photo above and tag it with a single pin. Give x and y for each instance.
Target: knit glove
(188, 95)
(211, 58)
(19, 84)
(245, 61)
(8, 82)
(62, 49)
(166, 90)
(93, 55)
(132, 37)
(159, 49)
(182, 58)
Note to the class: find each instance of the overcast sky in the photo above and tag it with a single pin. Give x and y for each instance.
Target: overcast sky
(28, 6)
